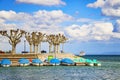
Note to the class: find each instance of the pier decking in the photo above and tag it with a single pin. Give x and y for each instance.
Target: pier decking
(80, 64)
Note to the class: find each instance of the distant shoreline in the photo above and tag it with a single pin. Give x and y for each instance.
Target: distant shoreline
(101, 55)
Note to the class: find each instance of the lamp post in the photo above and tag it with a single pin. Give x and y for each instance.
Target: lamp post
(24, 45)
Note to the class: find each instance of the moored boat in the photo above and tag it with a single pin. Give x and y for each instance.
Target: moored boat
(37, 62)
(90, 64)
(79, 61)
(96, 63)
(5, 62)
(67, 62)
(23, 62)
(55, 61)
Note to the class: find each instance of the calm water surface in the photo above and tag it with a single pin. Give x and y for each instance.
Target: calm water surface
(110, 70)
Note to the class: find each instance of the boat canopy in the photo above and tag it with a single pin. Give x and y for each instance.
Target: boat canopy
(54, 61)
(79, 59)
(23, 61)
(67, 61)
(89, 61)
(36, 60)
(5, 62)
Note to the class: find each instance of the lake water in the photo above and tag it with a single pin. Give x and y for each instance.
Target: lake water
(110, 70)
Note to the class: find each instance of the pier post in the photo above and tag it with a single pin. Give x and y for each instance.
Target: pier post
(24, 45)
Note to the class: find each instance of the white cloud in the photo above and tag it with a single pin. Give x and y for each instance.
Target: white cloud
(93, 31)
(7, 14)
(13, 16)
(43, 2)
(116, 35)
(84, 20)
(108, 7)
(98, 3)
(117, 26)
(53, 17)
(111, 12)
(2, 20)
(42, 20)
(4, 26)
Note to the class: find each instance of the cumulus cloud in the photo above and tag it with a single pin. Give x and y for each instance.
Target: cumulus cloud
(84, 20)
(42, 20)
(108, 7)
(94, 31)
(13, 16)
(43, 2)
(50, 22)
(7, 14)
(98, 3)
(4, 26)
(117, 26)
(52, 17)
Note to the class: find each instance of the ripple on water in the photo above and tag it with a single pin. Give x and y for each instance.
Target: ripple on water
(109, 71)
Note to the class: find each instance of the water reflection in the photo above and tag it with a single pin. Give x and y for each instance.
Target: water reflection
(109, 71)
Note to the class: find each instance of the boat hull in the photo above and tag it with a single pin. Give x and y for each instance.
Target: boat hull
(66, 64)
(37, 64)
(5, 65)
(97, 64)
(23, 64)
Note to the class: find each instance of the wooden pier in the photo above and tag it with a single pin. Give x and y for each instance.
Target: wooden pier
(80, 64)
(15, 57)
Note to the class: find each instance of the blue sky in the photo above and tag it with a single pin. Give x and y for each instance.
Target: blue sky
(91, 25)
